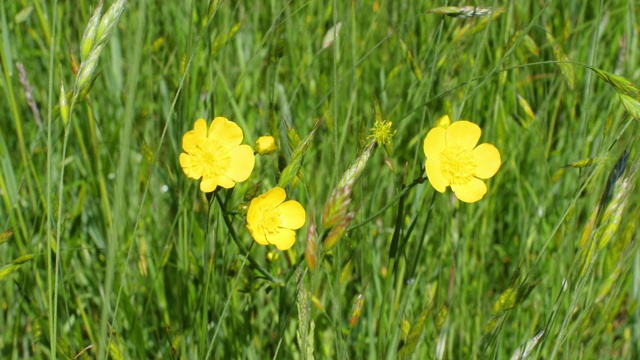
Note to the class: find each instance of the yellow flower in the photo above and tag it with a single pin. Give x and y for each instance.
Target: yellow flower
(271, 220)
(454, 160)
(381, 132)
(265, 145)
(216, 155)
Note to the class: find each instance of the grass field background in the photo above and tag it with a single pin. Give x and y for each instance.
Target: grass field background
(109, 251)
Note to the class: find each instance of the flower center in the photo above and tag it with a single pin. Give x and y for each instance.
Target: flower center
(214, 158)
(458, 165)
(270, 220)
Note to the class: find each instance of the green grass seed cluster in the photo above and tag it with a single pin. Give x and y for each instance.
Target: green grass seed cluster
(302, 179)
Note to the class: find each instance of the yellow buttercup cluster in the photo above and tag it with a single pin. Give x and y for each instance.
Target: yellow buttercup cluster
(216, 155)
(454, 160)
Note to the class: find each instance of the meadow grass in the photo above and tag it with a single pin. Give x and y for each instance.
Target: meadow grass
(109, 251)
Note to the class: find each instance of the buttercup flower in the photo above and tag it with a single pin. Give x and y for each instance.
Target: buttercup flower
(216, 155)
(454, 160)
(271, 220)
(265, 145)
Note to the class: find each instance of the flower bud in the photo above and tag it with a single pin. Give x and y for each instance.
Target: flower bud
(444, 121)
(64, 105)
(265, 145)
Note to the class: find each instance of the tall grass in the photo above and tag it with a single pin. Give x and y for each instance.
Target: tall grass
(107, 250)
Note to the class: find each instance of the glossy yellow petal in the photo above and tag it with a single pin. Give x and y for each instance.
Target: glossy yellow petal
(253, 213)
(283, 239)
(208, 185)
(225, 182)
(256, 234)
(241, 163)
(489, 161)
(200, 128)
(273, 197)
(434, 143)
(463, 134)
(225, 131)
(470, 192)
(190, 141)
(435, 175)
(292, 214)
(188, 167)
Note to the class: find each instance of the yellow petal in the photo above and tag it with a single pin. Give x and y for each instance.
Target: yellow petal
(273, 197)
(208, 185)
(436, 178)
(225, 131)
(255, 234)
(225, 182)
(283, 239)
(188, 167)
(292, 214)
(488, 158)
(253, 214)
(200, 128)
(470, 192)
(241, 163)
(464, 134)
(190, 141)
(434, 143)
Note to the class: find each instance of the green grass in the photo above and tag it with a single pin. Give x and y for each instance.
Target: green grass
(109, 250)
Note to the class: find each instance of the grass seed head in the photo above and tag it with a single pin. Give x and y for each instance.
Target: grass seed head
(89, 35)
(109, 21)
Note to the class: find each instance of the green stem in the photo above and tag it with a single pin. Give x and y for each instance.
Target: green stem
(49, 196)
(243, 248)
(209, 264)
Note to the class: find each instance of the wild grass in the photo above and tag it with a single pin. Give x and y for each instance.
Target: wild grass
(109, 251)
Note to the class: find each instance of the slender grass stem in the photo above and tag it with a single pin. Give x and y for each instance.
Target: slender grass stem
(243, 249)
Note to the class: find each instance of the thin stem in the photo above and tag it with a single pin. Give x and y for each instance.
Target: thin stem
(52, 310)
(209, 264)
(226, 304)
(412, 271)
(243, 248)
